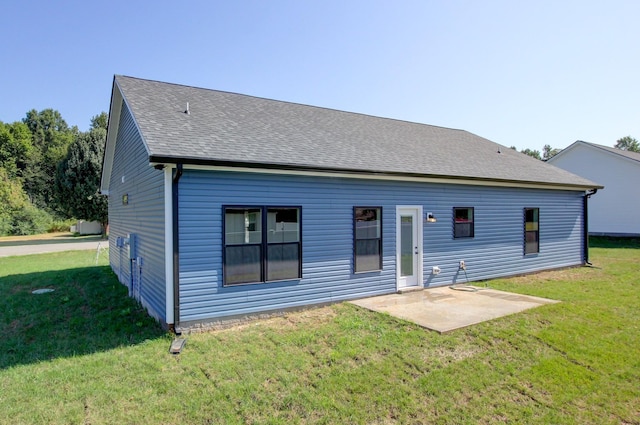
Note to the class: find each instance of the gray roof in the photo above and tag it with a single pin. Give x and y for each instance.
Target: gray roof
(239, 130)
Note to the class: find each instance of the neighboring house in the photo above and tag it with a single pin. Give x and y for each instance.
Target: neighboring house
(225, 206)
(614, 211)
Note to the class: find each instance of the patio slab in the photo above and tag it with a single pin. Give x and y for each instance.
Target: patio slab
(444, 309)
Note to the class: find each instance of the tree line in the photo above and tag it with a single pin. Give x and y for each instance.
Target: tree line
(626, 143)
(50, 173)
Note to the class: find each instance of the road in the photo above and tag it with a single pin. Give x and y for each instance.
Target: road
(41, 246)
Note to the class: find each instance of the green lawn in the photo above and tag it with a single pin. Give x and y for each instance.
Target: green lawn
(87, 354)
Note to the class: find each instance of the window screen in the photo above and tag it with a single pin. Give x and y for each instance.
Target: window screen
(531, 230)
(367, 231)
(463, 222)
(261, 244)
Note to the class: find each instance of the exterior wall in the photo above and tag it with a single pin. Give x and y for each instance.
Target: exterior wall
(614, 209)
(327, 237)
(142, 216)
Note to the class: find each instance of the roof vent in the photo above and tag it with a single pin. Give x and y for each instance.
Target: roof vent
(186, 111)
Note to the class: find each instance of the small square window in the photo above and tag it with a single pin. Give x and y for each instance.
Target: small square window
(463, 222)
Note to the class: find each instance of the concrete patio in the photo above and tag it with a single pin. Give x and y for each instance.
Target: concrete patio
(444, 309)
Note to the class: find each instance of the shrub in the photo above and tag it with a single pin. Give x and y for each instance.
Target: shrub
(61, 225)
(5, 225)
(18, 216)
(30, 221)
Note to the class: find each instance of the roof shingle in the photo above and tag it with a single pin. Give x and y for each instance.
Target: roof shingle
(224, 127)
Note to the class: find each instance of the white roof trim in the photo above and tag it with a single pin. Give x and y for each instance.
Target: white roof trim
(117, 100)
(112, 135)
(440, 180)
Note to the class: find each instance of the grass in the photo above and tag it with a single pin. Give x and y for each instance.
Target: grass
(88, 311)
(87, 354)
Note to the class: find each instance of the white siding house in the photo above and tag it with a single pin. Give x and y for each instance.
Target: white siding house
(614, 211)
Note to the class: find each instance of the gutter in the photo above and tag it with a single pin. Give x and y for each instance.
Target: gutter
(585, 227)
(176, 247)
(362, 173)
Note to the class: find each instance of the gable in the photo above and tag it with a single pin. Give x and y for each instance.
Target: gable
(596, 153)
(118, 103)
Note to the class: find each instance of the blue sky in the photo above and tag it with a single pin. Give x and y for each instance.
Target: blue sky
(518, 73)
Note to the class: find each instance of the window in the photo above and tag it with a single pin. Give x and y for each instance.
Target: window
(367, 235)
(261, 244)
(463, 223)
(531, 230)
(283, 243)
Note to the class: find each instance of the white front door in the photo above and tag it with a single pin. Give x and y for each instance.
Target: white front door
(408, 246)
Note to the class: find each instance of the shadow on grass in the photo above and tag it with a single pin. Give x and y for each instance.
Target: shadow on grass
(88, 311)
(614, 242)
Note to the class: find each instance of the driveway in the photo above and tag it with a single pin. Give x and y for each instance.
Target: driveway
(444, 309)
(10, 247)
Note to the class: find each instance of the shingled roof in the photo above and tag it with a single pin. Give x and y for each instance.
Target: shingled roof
(223, 128)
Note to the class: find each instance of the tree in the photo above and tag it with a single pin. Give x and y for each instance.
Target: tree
(51, 137)
(11, 197)
(100, 121)
(17, 215)
(532, 153)
(549, 152)
(15, 148)
(77, 179)
(628, 143)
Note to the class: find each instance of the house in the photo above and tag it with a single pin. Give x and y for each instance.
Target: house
(614, 212)
(224, 206)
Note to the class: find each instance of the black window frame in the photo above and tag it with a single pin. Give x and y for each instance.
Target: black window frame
(472, 222)
(264, 244)
(356, 270)
(529, 247)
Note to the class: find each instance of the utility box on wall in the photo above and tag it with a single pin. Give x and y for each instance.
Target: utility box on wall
(131, 245)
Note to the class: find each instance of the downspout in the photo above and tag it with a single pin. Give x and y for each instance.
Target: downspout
(585, 227)
(176, 248)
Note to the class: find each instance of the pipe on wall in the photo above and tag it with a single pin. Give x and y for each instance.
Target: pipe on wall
(176, 246)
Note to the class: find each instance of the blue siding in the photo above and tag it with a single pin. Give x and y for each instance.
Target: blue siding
(497, 248)
(327, 237)
(143, 216)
